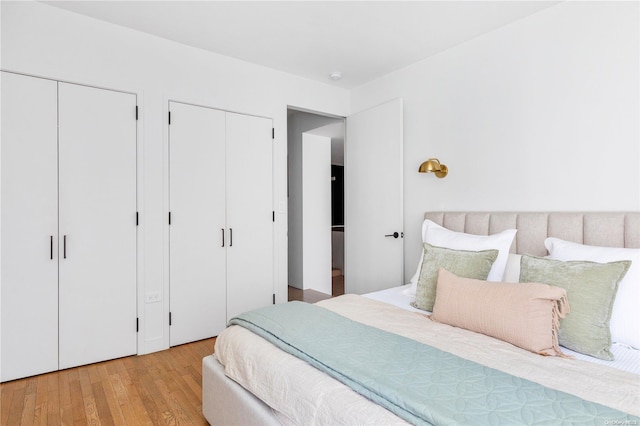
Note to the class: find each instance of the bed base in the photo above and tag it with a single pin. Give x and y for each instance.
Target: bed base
(226, 403)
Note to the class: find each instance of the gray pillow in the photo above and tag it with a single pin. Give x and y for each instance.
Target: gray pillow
(591, 290)
(463, 263)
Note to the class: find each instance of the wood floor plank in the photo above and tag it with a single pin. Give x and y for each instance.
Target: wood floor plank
(31, 385)
(53, 380)
(194, 381)
(17, 405)
(65, 404)
(105, 415)
(75, 396)
(151, 399)
(134, 399)
(110, 398)
(89, 401)
(53, 410)
(28, 411)
(5, 405)
(190, 387)
(52, 400)
(41, 405)
(92, 372)
(173, 404)
(129, 397)
(184, 396)
(6, 395)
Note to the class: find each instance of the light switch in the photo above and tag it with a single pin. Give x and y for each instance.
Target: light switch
(153, 297)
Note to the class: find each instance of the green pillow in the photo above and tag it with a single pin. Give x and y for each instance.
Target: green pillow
(463, 263)
(591, 290)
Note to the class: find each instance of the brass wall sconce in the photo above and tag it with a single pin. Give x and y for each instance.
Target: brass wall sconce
(433, 165)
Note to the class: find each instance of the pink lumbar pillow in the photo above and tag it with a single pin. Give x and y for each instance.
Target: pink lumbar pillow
(526, 315)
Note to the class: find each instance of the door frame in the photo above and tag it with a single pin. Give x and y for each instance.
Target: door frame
(346, 165)
(338, 118)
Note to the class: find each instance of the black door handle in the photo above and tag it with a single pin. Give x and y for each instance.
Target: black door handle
(394, 235)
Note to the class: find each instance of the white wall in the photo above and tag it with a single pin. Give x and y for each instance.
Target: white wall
(46, 41)
(539, 115)
(316, 212)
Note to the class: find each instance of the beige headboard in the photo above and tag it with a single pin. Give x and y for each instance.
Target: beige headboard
(598, 229)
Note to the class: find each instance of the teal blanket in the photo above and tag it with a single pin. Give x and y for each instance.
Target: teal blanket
(419, 383)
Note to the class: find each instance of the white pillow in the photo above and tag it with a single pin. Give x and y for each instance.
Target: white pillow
(625, 316)
(436, 235)
(512, 271)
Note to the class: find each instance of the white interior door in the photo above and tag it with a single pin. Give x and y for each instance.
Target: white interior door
(316, 212)
(97, 198)
(249, 213)
(197, 230)
(29, 226)
(373, 199)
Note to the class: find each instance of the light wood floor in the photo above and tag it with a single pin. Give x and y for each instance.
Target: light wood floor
(163, 388)
(312, 296)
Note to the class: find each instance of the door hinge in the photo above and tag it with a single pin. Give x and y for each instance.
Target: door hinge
(169, 117)
(274, 298)
(273, 215)
(273, 133)
(136, 112)
(169, 218)
(137, 219)
(169, 318)
(137, 325)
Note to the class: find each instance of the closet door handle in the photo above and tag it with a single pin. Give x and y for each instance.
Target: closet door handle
(230, 237)
(64, 246)
(51, 247)
(222, 236)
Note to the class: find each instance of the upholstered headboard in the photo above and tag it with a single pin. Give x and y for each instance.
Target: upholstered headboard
(598, 229)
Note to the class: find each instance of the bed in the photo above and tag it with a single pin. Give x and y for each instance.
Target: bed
(251, 381)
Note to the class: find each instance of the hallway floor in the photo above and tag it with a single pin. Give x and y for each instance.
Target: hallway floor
(313, 296)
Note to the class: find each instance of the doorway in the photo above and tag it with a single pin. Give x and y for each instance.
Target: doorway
(316, 205)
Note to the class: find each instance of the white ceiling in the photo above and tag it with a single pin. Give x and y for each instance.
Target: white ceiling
(362, 39)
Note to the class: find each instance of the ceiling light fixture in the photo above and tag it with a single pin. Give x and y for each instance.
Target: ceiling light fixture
(335, 76)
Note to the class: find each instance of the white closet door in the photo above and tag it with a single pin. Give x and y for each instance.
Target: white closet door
(249, 213)
(97, 175)
(29, 226)
(197, 230)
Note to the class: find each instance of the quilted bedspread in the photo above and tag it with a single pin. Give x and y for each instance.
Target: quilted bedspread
(419, 383)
